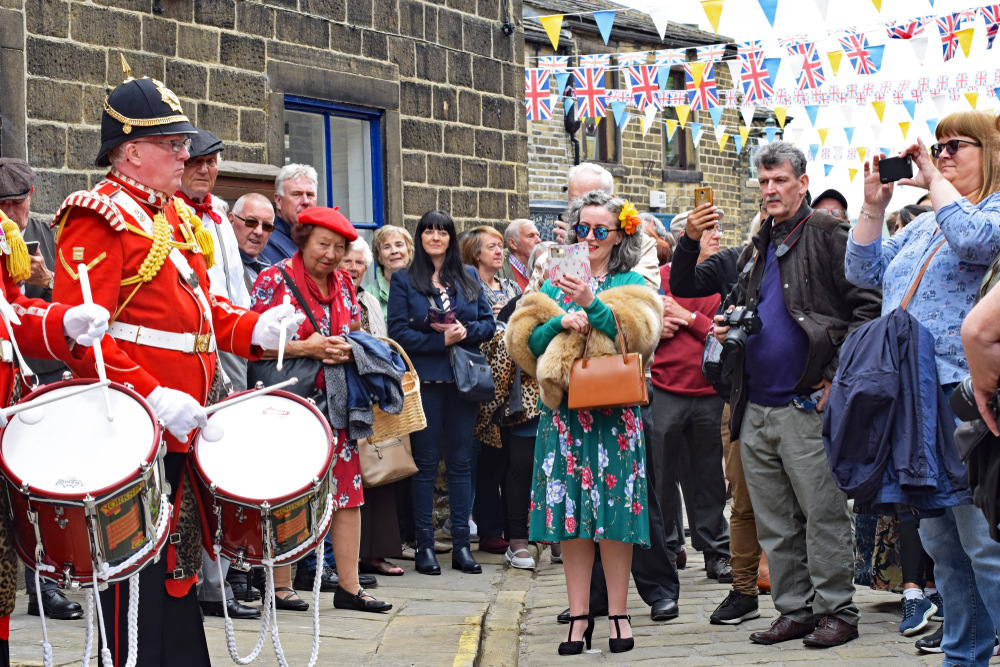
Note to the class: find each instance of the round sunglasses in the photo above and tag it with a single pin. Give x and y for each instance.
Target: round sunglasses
(600, 233)
(951, 146)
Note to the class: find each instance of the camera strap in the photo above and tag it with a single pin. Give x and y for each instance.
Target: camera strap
(783, 249)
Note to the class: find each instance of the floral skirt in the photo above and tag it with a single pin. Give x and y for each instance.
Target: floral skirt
(589, 477)
(346, 489)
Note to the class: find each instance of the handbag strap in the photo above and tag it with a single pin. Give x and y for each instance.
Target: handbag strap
(920, 276)
(621, 336)
(302, 302)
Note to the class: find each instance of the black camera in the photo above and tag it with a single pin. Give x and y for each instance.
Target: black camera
(742, 323)
(963, 402)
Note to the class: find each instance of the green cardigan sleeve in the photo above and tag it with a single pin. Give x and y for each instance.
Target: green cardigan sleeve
(544, 333)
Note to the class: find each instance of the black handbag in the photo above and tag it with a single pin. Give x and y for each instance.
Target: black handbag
(304, 368)
(473, 375)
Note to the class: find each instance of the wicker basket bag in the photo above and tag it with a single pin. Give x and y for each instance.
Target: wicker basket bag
(412, 418)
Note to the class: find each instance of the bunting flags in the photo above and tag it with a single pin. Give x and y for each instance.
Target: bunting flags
(713, 10)
(991, 14)
(553, 26)
(865, 59)
(770, 8)
(755, 79)
(605, 19)
(670, 57)
(590, 92)
(905, 29)
(701, 94)
(964, 38)
(948, 26)
(630, 59)
(811, 75)
(596, 60)
(711, 53)
(642, 81)
(537, 94)
(835, 57)
(553, 63)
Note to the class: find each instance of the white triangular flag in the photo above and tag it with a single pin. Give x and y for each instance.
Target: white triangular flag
(823, 6)
(838, 153)
(795, 133)
(647, 118)
(940, 101)
(719, 131)
(876, 131)
(697, 137)
(848, 111)
(659, 16)
(919, 45)
(735, 71)
(748, 112)
(795, 64)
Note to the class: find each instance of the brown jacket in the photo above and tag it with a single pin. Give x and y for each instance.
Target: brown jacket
(817, 293)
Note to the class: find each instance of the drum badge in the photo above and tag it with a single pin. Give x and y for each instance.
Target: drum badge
(275, 412)
(70, 482)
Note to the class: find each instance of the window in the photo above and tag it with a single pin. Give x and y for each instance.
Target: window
(599, 136)
(675, 151)
(753, 145)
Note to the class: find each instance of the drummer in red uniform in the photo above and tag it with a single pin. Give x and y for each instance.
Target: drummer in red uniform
(148, 259)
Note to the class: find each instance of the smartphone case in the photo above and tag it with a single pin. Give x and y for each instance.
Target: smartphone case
(575, 263)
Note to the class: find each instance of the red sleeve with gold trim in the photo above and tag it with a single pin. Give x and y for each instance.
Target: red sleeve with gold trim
(40, 334)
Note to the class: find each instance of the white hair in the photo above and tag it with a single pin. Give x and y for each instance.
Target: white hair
(360, 245)
(221, 206)
(513, 230)
(246, 199)
(589, 168)
(658, 227)
(292, 171)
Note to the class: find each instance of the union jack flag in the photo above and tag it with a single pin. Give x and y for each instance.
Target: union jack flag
(880, 95)
(824, 99)
(868, 90)
(782, 97)
(905, 29)
(852, 154)
(966, 15)
(553, 64)
(924, 84)
(962, 81)
(825, 155)
(811, 75)
(898, 97)
(756, 86)
(642, 81)
(948, 26)
(791, 42)
(981, 79)
(537, 94)
(754, 47)
(590, 92)
(991, 13)
(996, 77)
(943, 83)
(954, 94)
(596, 60)
(732, 99)
(801, 98)
(838, 96)
(886, 87)
(851, 91)
(670, 57)
(704, 95)
(711, 53)
(856, 49)
(630, 59)
(903, 84)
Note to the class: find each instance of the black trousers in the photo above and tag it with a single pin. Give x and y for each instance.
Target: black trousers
(520, 462)
(917, 566)
(654, 569)
(171, 633)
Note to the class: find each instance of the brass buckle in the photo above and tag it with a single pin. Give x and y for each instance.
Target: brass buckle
(202, 343)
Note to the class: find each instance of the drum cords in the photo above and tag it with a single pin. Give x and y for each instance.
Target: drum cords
(269, 617)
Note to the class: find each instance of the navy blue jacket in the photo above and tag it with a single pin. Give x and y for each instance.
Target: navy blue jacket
(280, 244)
(888, 429)
(408, 326)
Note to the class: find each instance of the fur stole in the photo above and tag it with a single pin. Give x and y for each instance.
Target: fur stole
(639, 310)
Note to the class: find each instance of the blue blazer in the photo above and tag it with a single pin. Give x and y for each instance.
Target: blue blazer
(408, 326)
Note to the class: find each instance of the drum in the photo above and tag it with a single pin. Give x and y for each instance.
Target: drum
(264, 468)
(84, 491)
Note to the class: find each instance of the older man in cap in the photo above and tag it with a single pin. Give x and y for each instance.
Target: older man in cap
(148, 257)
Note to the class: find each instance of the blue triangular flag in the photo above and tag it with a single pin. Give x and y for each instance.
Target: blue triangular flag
(771, 132)
(695, 132)
(885, 151)
(716, 114)
(932, 123)
(814, 149)
(770, 8)
(812, 110)
(996, 91)
(911, 107)
(739, 143)
(932, 3)
(561, 79)
(772, 65)
(569, 104)
(663, 77)
(827, 168)
(849, 131)
(605, 20)
(618, 109)
(876, 53)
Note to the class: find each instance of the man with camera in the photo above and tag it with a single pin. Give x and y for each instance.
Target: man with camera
(794, 307)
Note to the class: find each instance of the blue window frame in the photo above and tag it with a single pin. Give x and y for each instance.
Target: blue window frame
(343, 142)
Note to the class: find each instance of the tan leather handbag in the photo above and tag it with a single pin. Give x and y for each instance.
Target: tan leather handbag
(385, 462)
(616, 381)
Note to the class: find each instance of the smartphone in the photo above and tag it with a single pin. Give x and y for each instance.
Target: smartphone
(32, 247)
(703, 196)
(892, 169)
(569, 260)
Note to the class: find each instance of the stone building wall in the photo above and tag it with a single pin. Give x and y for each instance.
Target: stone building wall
(446, 76)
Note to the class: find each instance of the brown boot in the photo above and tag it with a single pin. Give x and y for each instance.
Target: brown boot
(831, 631)
(782, 630)
(764, 574)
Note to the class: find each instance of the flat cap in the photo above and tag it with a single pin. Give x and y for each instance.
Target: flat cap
(16, 179)
(205, 143)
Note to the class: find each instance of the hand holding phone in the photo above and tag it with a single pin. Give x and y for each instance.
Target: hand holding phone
(569, 260)
(703, 196)
(32, 247)
(892, 169)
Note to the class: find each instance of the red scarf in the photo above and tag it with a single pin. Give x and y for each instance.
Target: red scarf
(202, 208)
(315, 299)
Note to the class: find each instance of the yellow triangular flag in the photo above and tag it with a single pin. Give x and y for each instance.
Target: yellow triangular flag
(878, 5)
(965, 39)
(861, 153)
(722, 141)
(671, 127)
(697, 71)
(744, 133)
(713, 10)
(822, 135)
(972, 97)
(905, 127)
(780, 113)
(682, 112)
(853, 173)
(552, 25)
(879, 109)
(835, 57)
(597, 121)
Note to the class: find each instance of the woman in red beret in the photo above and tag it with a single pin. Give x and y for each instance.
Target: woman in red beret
(323, 236)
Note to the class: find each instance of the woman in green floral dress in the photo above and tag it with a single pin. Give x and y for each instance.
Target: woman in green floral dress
(589, 473)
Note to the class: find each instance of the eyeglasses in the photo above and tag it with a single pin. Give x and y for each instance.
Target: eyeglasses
(600, 233)
(835, 212)
(252, 224)
(175, 146)
(952, 146)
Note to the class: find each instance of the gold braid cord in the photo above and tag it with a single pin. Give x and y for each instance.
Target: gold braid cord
(18, 261)
(162, 237)
(201, 235)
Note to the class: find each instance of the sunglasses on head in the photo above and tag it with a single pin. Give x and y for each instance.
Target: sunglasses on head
(252, 224)
(600, 233)
(952, 147)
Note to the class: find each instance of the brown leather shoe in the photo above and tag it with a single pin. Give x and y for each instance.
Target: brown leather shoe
(831, 631)
(782, 630)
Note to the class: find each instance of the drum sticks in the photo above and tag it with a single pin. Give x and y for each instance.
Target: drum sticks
(250, 394)
(51, 398)
(287, 301)
(98, 352)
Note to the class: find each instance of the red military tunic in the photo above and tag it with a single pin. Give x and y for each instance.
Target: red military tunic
(98, 228)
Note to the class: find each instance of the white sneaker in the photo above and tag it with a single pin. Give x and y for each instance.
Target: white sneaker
(473, 531)
(517, 561)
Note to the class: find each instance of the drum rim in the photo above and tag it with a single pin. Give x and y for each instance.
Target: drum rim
(150, 458)
(280, 500)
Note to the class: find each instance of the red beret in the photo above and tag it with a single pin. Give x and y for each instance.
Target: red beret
(331, 218)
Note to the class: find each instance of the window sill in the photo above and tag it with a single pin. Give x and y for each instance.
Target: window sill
(682, 176)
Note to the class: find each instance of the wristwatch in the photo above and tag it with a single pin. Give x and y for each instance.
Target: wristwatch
(52, 282)
(691, 319)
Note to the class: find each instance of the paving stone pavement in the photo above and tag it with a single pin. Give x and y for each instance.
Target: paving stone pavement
(691, 641)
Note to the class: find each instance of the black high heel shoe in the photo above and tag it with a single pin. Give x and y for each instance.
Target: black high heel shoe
(620, 645)
(575, 648)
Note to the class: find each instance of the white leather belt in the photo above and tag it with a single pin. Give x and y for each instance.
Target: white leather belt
(188, 343)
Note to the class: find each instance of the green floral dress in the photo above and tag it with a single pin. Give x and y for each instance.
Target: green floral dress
(589, 475)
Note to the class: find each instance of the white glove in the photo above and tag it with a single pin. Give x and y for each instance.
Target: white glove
(267, 333)
(180, 413)
(86, 323)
